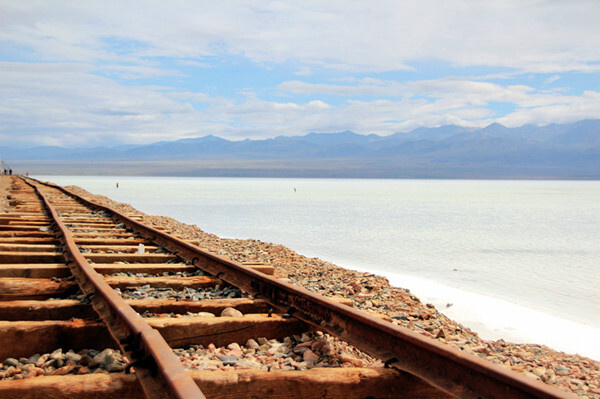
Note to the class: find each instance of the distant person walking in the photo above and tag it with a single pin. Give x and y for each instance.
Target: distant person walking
(10, 171)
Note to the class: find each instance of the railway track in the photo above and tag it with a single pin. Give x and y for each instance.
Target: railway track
(93, 303)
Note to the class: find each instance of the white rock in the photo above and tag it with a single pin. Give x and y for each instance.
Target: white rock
(231, 312)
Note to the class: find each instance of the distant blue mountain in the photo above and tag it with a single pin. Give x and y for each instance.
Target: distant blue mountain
(567, 150)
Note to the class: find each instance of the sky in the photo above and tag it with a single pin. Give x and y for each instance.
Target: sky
(103, 73)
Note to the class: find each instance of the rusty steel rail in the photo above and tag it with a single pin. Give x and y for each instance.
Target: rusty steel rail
(458, 373)
(159, 371)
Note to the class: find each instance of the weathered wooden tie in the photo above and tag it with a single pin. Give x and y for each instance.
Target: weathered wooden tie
(32, 288)
(66, 309)
(324, 383)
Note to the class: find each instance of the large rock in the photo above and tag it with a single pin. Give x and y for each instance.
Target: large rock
(231, 312)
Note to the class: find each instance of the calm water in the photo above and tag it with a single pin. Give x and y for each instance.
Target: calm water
(531, 243)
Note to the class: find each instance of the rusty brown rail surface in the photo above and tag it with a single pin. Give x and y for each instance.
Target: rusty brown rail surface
(446, 370)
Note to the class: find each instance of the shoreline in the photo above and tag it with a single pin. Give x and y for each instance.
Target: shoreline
(375, 294)
(509, 320)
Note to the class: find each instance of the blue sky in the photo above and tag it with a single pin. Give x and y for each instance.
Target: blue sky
(89, 73)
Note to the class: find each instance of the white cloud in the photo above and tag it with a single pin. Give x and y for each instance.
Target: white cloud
(562, 110)
(373, 36)
(298, 87)
(73, 90)
(551, 79)
(45, 104)
(304, 70)
(46, 101)
(461, 90)
(137, 71)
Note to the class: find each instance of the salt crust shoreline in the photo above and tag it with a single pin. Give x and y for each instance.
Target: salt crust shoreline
(371, 293)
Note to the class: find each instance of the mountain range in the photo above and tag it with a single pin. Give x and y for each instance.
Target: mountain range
(552, 151)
